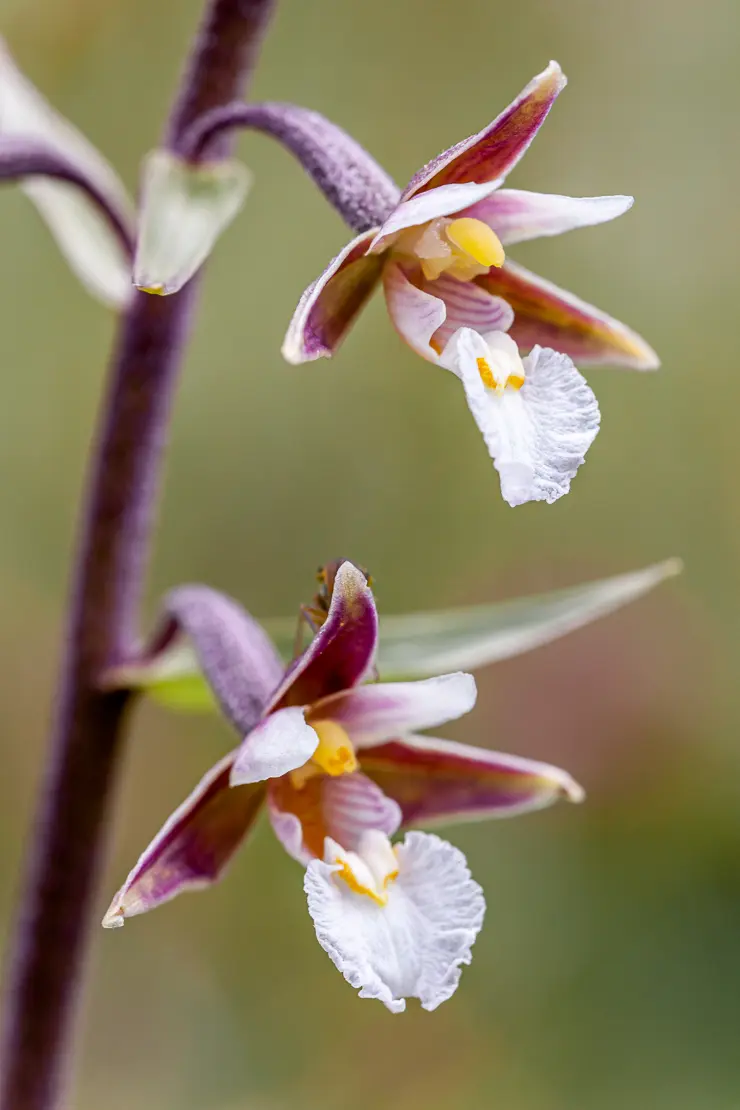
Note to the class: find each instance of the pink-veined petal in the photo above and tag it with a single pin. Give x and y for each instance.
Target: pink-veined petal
(415, 314)
(280, 743)
(194, 846)
(329, 306)
(466, 308)
(492, 153)
(375, 712)
(444, 201)
(537, 436)
(415, 944)
(427, 313)
(517, 215)
(547, 316)
(342, 654)
(439, 780)
(342, 808)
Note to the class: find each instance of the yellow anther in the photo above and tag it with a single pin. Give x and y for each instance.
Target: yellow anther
(155, 290)
(516, 381)
(477, 240)
(335, 753)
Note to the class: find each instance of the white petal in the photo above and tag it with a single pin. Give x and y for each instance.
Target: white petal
(383, 710)
(82, 233)
(537, 436)
(445, 200)
(280, 743)
(184, 210)
(414, 946)
(516, 215)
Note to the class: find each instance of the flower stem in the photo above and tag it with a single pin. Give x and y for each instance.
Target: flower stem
(54, 926)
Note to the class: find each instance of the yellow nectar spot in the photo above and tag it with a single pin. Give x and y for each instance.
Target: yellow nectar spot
(477, 240)
(350, 879)
(155, 290)
(334, 754)
(486, 374)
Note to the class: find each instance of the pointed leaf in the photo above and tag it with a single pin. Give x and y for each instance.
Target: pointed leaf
(420, 645)
(184, 210)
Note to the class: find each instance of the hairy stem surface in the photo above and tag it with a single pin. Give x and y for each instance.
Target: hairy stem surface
(69, 836)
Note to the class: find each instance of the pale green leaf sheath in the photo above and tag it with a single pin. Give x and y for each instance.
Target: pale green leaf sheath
(184, 210)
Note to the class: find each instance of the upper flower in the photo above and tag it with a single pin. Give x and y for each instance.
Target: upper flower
(450, 291)
(440, 255)
(341, 770)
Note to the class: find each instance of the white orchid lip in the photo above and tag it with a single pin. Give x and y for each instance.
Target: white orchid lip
(398, 922)
(538, 416)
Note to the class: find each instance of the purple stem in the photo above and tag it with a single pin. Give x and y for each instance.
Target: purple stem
(68, 841)
(350, 179)
(22, 157)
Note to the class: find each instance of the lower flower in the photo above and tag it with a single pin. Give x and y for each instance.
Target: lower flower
(338, 765)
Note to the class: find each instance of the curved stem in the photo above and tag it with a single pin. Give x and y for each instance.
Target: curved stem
(351, 180)
(69, 836)
(22, 157)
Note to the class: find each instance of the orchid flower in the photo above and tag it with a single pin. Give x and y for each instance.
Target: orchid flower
(338, 765)
(453, 295)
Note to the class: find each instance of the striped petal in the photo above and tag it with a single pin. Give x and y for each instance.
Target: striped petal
(342, 653)
(427, 313)
(438, 780)
(552, 317)
(380, 710)
(341, 808)
(329, 306)
(194, 846)
(516, 215)
(492, 153)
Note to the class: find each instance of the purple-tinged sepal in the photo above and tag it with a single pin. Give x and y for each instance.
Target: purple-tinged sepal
(436, 780)
(492, 153)
(328, 308)
(342, 654)
(194, 846)
(547, 316)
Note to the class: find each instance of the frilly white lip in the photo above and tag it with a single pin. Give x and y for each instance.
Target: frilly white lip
(397, 935)
(538, 434)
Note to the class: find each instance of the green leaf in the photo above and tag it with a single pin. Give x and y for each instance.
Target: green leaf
(184, 210)
(419, 645)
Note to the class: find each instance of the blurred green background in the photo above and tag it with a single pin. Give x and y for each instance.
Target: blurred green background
(608, 972)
